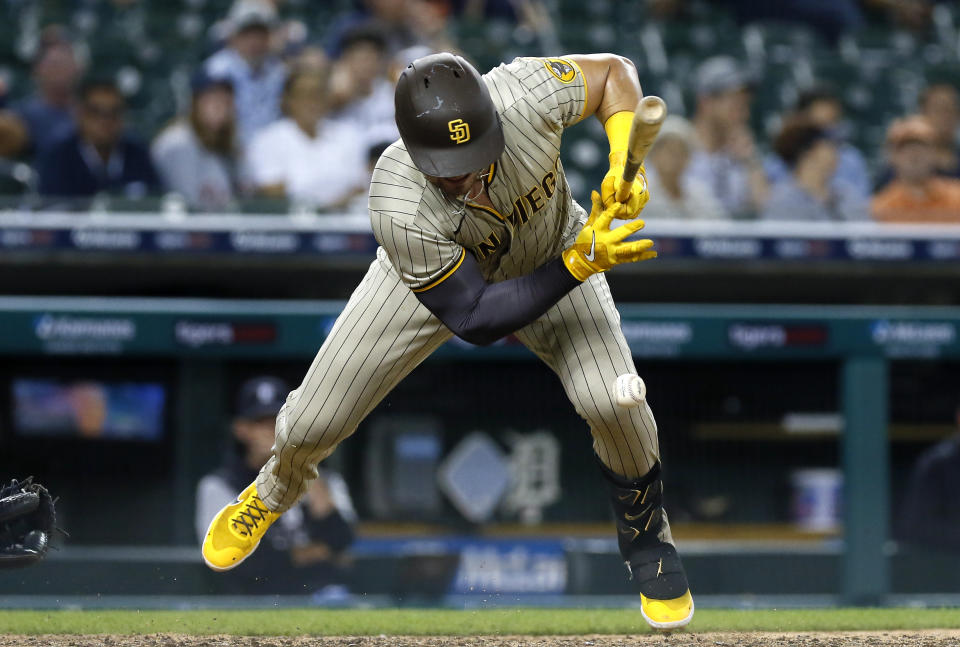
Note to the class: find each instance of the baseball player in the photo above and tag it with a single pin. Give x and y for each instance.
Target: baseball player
(480, 237)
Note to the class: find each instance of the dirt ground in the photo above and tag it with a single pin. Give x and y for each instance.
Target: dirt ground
(931, 638)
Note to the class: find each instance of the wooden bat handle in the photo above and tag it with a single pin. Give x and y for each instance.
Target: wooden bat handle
(647, 119)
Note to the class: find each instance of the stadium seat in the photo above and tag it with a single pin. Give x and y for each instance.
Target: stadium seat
(122, 204)
(261, 205)
(784, 42)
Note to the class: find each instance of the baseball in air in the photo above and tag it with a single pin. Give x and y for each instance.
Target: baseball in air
(629, 390)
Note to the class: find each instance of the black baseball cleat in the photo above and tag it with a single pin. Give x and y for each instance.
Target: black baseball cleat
(665, 600)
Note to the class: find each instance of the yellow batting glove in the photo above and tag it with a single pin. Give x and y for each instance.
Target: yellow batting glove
(598, 248)
(617, 127)
(614, 179)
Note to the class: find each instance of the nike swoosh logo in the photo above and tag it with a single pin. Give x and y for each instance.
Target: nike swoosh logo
(634, 517)
(593, 249)
(632, 532)
(635, 494)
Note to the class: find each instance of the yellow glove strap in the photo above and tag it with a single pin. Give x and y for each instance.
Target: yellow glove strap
(578, 266)
(617, 127)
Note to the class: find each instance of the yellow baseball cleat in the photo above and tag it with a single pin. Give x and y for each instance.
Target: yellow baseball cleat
(667, 614)
(236, 531)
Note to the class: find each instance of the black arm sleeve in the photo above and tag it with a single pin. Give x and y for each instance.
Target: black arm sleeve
(481, 312)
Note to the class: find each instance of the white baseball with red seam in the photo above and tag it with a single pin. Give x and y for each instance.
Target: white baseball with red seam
(629, 390)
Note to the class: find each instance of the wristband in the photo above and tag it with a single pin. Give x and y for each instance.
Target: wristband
(617, 127)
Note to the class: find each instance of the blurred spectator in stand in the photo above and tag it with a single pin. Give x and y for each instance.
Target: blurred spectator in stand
(99, 156)
(483, 9)
(671, 195)
(940, 104)
(359, 91)
(256, 73)
(821, 107)
(914, 15)
(16, 178)
(665, 9)
(13, 131)
(196, 156)
(930, 515)
(403, 58)
(33, 124)
(310, 58)
(304, 552)
(305, 157)
(393, 17)
(726, 158)
(807, 193)
(830, 18)
(430, 21)
(916, 193)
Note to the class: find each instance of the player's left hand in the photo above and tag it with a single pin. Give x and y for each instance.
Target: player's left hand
(614, 178)
(598, 247)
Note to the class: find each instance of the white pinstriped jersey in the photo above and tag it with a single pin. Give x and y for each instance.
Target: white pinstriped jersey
(425, 235)
(384, 331)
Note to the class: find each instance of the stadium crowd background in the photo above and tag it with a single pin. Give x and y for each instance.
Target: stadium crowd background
(842, 110)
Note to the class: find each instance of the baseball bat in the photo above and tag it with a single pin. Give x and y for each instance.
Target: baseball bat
(647, 119)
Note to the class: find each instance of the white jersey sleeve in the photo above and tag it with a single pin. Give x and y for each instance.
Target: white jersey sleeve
(556, 86)
(411, 223)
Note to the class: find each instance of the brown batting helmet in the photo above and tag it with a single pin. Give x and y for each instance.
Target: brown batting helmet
(446, 117)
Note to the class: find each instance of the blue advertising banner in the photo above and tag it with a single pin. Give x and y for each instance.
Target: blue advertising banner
(340, 235)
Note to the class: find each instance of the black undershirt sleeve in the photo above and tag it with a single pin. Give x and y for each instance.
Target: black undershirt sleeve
(481, 312)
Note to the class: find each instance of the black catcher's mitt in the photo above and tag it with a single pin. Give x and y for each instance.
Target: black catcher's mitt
(27, 521)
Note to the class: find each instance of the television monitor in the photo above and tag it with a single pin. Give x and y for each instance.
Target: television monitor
(90, 409)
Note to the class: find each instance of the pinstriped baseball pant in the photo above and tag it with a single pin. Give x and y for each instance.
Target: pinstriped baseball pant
(384, 332)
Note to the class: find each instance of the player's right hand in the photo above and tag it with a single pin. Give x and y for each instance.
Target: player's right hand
(598, 248)
(639, 195)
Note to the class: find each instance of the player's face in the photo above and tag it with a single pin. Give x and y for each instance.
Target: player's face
(913, 161)
(823, 155)
(252, 43)
(101, 117)
(304, 100)
(732, 108)
(670, 157)
(257, 436)
(214, 108)
(825, 113)
(365, 62)
(392, 11)
(455, 187)
(58, 68)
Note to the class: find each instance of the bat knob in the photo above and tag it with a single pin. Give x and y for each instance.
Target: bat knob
(652, 109)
